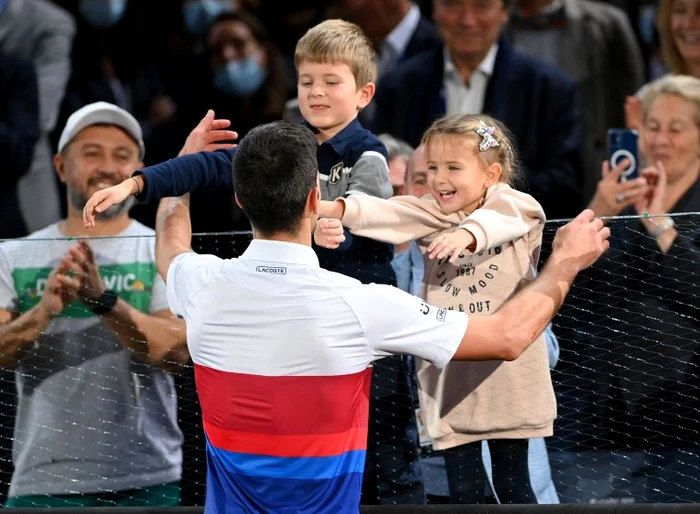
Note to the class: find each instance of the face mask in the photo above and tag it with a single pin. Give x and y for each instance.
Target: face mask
(241, 77)
(198, 14)
(102, 14)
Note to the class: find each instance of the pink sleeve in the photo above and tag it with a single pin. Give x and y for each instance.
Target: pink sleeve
(397, 220)
(506, 215)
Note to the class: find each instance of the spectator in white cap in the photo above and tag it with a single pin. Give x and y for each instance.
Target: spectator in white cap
(85, 325)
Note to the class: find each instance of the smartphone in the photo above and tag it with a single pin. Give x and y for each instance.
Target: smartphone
(623, 144)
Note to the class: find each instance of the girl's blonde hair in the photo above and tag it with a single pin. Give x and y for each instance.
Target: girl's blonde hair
(339, 41)
(683, 86)
(466, 125)
(669, 51)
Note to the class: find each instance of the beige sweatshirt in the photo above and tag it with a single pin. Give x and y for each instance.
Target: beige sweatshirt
(472, 401)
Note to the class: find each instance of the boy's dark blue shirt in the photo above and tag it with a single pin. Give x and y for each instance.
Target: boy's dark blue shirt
(358, 257)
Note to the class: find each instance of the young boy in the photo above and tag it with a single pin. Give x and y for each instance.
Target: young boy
(336, 68)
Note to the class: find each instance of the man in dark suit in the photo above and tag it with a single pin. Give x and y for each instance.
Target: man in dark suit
(595, 45)
(19, 132)
(476, 71)
(396, 28)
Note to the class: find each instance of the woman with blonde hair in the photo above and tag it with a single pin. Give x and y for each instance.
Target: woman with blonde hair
(677, 22)
(639, 311)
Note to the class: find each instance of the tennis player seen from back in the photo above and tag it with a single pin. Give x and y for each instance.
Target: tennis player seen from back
(283, 349)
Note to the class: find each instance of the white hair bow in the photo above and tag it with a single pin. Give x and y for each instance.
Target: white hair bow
(487, 139)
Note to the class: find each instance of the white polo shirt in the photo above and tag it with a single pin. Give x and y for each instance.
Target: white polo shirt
(282, 352)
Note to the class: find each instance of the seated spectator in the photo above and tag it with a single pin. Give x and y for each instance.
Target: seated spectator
(397, 29)
(87, 329)
(19, 132)
(594, 44)
(112, 62)
(42, 33)
(408, 259)
(198, 15)
(675, 20)
(398, 155)
(638, 312)
(241, 77)
(477, 71)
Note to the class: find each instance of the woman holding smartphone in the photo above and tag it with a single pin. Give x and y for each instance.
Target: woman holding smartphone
(637, 310)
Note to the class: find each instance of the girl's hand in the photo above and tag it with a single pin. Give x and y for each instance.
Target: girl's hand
(452, 244)
(329, 233)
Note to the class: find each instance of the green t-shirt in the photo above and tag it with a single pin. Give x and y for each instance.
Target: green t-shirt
(90, 417)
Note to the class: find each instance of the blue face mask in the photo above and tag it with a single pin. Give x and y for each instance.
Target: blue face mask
(198, 14)
(241, 77)
(102, 14)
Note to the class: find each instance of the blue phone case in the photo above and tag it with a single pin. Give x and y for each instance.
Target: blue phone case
(623, 144)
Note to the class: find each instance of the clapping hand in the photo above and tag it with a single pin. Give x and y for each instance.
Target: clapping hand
(613, 196)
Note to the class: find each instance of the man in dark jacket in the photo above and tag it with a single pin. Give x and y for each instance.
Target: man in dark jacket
(477, 72)
(19, 132)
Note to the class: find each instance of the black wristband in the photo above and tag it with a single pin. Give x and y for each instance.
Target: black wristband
(105, 303)
(141, 195)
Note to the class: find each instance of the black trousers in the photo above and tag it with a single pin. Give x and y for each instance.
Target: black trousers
(466, 476)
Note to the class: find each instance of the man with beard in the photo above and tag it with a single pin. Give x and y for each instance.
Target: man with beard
(86, 326)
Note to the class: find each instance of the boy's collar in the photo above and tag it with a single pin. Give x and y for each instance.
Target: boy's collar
(339, 141)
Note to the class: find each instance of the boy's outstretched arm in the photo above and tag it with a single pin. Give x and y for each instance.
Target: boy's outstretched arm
(370, 174)
(207, 169)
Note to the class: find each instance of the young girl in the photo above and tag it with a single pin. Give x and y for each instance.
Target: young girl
(492, 235)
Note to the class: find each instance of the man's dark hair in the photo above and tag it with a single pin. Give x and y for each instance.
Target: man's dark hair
(274, 169)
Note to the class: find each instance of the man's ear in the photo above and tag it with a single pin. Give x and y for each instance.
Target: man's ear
(366, 93)
(59, 164)
(238, 201)
(313, 201)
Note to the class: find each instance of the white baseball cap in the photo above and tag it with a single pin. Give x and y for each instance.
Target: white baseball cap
(101, 113)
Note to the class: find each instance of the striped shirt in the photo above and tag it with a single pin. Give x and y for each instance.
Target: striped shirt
(282, 352)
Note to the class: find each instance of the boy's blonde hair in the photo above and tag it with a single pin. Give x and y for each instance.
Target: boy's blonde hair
(682, 86)
(339, 41)
(466, 125)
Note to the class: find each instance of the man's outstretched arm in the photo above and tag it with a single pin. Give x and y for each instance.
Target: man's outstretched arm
(513, 328)
(173, 231)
